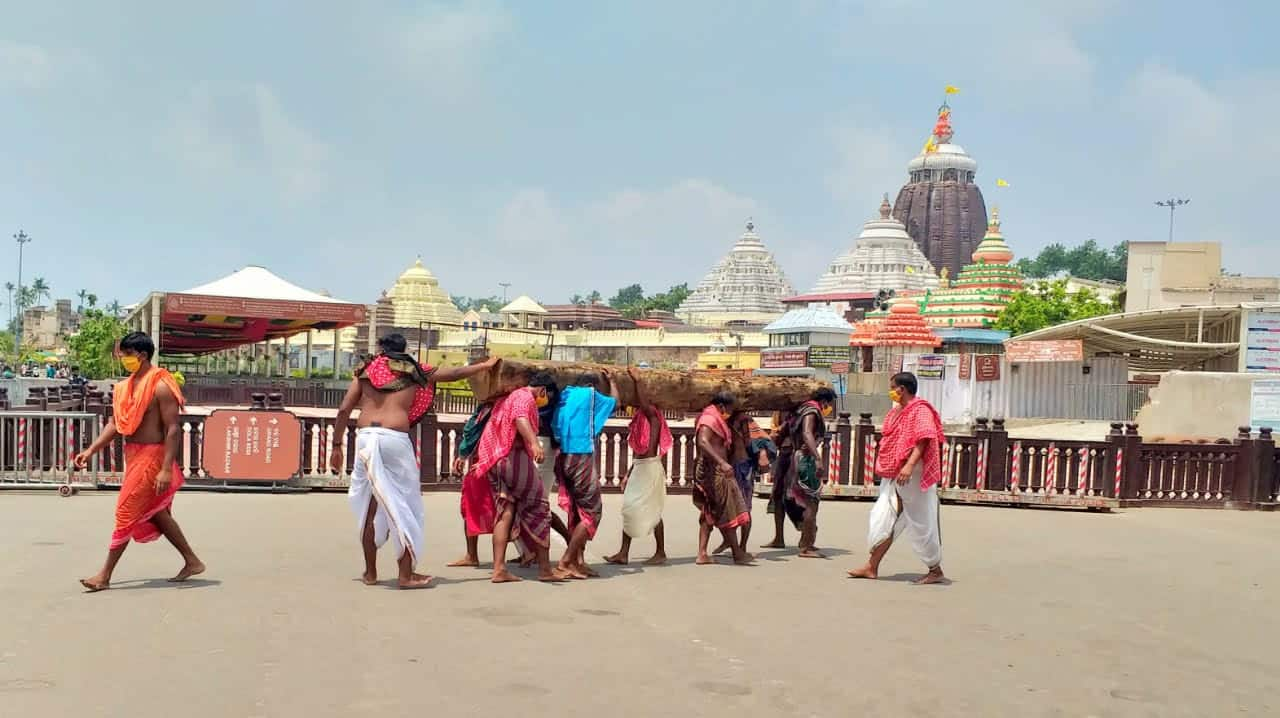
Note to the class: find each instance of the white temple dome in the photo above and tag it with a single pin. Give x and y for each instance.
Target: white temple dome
(745, 285)
(417, 297)
(944, 157)
(882, 257)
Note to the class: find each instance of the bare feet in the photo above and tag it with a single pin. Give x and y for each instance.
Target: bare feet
(776, 543)
(527, 561)
(572, 572)
(465, 562)
(724, 546)
(193, 568)
(811, 553)
(659, 559)
(95, 584)
(369, 579)
(619, 559)
(864, 572)
(703, 559)
(934, 576)
(415, 580)
(588, 570)
(744, 559)
(505, 576)
(555, 575)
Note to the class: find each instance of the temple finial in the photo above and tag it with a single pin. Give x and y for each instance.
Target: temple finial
(885, 208)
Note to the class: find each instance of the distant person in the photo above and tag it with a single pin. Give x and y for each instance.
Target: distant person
(475, 500)
(781, 431)
(715, 492)
(644, 489)
(8, 372)
(550, 447)
(50, 371)
(579, 420)
(806, 472)
(393, 392)
(146, 409)
(909, 464)
(753, 451)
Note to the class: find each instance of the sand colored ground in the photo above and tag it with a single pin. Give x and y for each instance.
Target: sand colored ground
(1140, 613)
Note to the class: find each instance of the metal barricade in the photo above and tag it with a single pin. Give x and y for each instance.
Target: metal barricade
(37, 450)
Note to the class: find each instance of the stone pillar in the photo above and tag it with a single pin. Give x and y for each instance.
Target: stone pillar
(337, 352)
(286, 370)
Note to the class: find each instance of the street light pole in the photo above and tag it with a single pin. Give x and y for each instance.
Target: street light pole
(21, 238)
(1172, 204)
(505, 286)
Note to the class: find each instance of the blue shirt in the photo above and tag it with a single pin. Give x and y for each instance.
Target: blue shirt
(577, 426)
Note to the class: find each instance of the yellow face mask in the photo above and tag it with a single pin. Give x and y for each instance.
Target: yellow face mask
(541, 401)
(131, 363)
(895, 396)
(827, 410)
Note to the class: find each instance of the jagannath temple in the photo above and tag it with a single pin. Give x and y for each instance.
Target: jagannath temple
(940, 205)
(417, 297)
(882, 257)
(746, 286)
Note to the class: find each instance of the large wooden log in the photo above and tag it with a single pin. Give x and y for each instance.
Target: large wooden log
(675, 390)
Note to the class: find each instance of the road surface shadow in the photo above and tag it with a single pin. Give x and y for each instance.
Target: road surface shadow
(153, 583)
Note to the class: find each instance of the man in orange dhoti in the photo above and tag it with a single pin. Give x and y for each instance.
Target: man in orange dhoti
(145, 411)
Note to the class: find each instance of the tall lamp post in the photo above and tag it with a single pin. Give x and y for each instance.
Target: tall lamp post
(21, 238)
(505, 286)
(1172, 204)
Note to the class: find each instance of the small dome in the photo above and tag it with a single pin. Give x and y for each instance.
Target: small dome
(993, 249)
(417, 274)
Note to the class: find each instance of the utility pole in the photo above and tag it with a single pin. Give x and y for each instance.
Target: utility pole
(21, 238)
(1172, 204)
(505, 286)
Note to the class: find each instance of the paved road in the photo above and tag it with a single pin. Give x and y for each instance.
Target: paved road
(1144, 613)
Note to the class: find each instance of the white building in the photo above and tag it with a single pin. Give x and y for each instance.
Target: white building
(745, 286)
(882, 257)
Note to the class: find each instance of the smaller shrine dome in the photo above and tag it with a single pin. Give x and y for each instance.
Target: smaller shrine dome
(993, 249)
(417, 274)
(417, 297)
(905, 326)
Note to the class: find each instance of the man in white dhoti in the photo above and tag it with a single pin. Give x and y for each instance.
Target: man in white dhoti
(644, 490)
(909, 464)
(393, 392)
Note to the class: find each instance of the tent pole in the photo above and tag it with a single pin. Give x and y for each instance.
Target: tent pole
(286, 361)
(307, 369)
(335, 354)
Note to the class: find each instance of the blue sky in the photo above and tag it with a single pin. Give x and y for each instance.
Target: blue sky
(571, 146)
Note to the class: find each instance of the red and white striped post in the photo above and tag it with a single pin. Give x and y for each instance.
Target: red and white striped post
(947, 448)
(1051, 470)
(982, 466)
(1119, 464)
(869, 462)
(1015, 467)
(1082, 484)
(71, 448)
(22, 442)
(833, 461)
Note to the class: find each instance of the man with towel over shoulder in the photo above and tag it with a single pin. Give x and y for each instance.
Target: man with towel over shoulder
(644, 490)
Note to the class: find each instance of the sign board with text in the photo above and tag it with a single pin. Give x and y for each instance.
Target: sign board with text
(987, 367)
(251, 445)
(1261, 353)
(826, 356)
(840, 367)
(786, 359)
(1049, 350)
(1264, 404)
(966, 366)
(930, 366)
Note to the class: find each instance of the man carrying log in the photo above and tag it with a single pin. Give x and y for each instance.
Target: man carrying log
(644, 490)
(393, 392)
(715, 492)
(579, 420)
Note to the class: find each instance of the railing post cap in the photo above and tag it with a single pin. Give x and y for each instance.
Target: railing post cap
(1264, 433)
(1117, 428)
(1244, 432)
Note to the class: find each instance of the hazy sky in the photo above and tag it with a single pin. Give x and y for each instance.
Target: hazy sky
(571, 146)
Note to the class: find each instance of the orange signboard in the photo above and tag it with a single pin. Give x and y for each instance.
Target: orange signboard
(251, 445)
(1050, 350)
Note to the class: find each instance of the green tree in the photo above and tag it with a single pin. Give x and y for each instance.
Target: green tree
(670, 299)
(578, 300)
(92, 348)
(629, 300)
(1086, 261)
(40, 289)
(1047, 303)
(92, 299)
(114, 308)
(82, 294)
(594, 297)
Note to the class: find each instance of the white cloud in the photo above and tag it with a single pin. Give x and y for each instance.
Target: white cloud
(238, 135)
(869, 162)
(441, 45)
(27, 67)
(298, 160)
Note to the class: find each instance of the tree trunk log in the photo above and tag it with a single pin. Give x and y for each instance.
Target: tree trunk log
(676, 390)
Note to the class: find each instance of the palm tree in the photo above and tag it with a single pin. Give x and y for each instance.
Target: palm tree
(92, 299)
(40, 288)
(82, 294)
(114, 308)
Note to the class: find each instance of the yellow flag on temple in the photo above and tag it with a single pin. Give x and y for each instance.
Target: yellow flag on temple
(1001, 183)
(952, 90)
(911, 270)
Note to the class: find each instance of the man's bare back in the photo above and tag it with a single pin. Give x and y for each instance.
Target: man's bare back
(389, 410)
